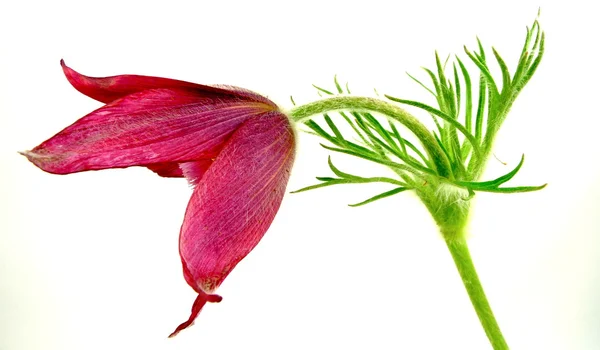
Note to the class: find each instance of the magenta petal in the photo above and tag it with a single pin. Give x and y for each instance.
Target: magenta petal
(109, 89)
(148, 127)
(235, 202)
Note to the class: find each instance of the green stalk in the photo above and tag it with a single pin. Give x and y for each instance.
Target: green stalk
(462, 259)
(448, 204)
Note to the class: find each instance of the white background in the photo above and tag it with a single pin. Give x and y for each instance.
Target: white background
(89, 261)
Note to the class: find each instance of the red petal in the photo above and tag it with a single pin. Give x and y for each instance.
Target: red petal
(235, 202)
(148, 127)
(109, 89)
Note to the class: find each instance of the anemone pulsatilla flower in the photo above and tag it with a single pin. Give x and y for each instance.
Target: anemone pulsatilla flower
(234, 146)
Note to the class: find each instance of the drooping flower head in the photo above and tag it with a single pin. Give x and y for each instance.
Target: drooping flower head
(233, 145)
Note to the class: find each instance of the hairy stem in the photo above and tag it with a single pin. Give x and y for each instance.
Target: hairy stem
(389, 110)
(462, 258)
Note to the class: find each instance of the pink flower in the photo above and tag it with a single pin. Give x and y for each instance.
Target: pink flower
(233, 145)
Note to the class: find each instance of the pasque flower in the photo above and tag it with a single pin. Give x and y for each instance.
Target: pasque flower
(234, 146)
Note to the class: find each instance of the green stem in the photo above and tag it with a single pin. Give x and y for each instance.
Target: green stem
(462, 258)
(389, 110)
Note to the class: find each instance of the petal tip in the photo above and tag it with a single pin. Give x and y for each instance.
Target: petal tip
(29, 154)
(72, 76)
(33, 156)
(66, 69)
(199, 303)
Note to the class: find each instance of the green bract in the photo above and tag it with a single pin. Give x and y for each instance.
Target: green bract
(442, 166)
(455, 153)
